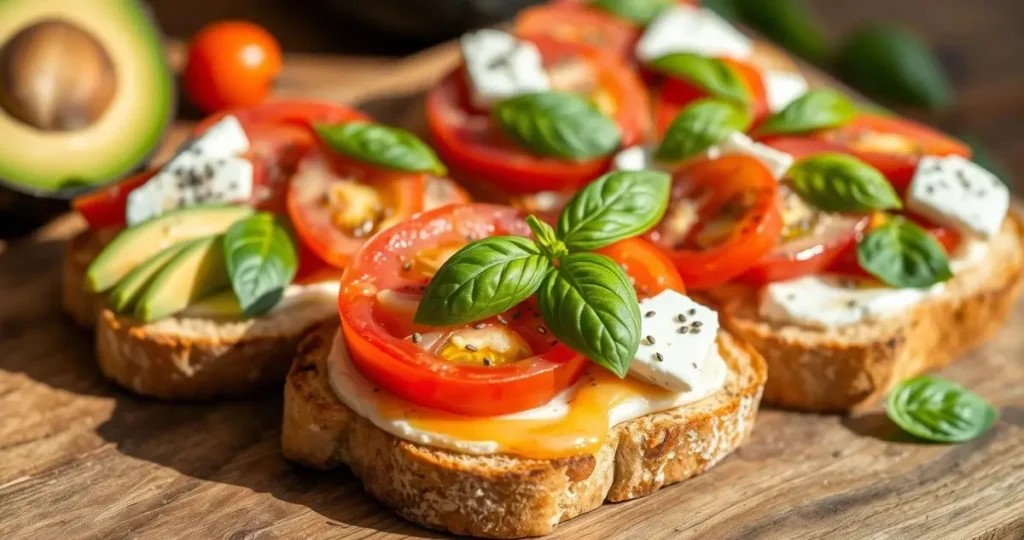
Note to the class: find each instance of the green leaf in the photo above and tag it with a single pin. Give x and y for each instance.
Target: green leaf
(558, 124)
(699, 126)
(710, 74)
(902, 254)
(725, 8)
(641, 12)
(483, 279)
(893, 65)
(790, 23)
(589, 304)
(546, 238)
(814, 111)
(842, 183)
(616, 206)
(938, 410)
(261, 262)
(384, 146)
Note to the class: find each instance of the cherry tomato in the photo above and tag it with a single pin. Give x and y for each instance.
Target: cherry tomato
(723, 217)
(231, 64)
(847, 263)
(470, 143)
(673, 94)
(590, 29)
(811, 240)
(422, 369)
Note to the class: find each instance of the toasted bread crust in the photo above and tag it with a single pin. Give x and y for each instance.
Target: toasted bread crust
(843, 370)
(506, 496)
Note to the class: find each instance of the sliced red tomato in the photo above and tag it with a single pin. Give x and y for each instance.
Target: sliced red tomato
(105, 207)
(380, 294)
(590, 29)
(469, 141)
(723, 217)
(811, 241)
(846, 262)
(672, 94)
(288, 112)
(891, 145)
(650, 270)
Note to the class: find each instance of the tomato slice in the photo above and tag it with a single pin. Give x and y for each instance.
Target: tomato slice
(587, 28)
(811, 240)
(846, 262)
(672, 94)
(421, 367)
(288, 112)
(723, 217)
(105, 207)
(470, 143)
(650, 270)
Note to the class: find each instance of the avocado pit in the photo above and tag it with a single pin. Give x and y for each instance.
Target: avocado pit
(55, 76)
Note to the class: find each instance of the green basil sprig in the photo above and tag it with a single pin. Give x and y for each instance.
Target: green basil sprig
(710, 74)
(261, 262)
(813, 111)
(640, 12)
(699, 126)
(384, 146)
(842, 183)
(558, 124)
(902, 254)
(938, 410)
(585, 299)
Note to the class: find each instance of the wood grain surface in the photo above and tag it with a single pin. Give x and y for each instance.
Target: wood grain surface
(81, 459)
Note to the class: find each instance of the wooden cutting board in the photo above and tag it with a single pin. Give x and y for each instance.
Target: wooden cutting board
(81, 459)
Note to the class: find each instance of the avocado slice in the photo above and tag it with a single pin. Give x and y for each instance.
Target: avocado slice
(138, 244)
(127, 291)
(219, 305)
(195, 273)
(109, 93)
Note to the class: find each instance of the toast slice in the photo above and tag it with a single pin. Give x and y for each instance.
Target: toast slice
(185, 358)
(505, 496)
(839, 370)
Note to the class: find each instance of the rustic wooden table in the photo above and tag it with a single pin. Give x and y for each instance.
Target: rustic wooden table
(81, 459)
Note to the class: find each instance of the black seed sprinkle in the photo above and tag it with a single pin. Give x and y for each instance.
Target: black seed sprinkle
(694, 364)
(542, 330)
(649, 314)
(650, 340)
(696, 324)
(417, 337)
(681, 318)
(929, 189)
(659, 357)
(695, 330)
(471, 348)
(851, 303)
(692, 312)
(487, 361)
(684, 330)
(516, 315)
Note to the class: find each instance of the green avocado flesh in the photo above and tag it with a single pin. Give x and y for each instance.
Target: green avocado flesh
(219, 305)
(140, 243)
(127, 291)
(193, 274)
(108, 99)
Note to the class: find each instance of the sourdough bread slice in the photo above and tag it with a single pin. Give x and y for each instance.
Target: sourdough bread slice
(504, 496)
(841, 369)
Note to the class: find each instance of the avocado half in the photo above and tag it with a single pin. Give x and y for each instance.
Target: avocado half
(86, 93)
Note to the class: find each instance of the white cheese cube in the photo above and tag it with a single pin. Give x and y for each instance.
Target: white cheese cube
(634, 158)
(500, 66)
(783, 87)
(688, 29)
(205, 171)
(777, 161)
(955, 192)
(830, 301)
(676, 335)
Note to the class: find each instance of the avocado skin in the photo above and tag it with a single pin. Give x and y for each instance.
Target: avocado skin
(119, 149)
(195, 273)
(138, 244)
(125, 294)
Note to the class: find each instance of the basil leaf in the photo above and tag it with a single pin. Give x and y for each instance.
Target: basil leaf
(938, 410)
(893, 65)
(902, 254)
(546, 238)
(384, 146)
(789, 23)
(589, 304)
(701, 125)
(710, 74)
(641, 12)
(813, 111)
(261, 262)
(616, 206)
(483, 279)
(558, 124)
(842, 183)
